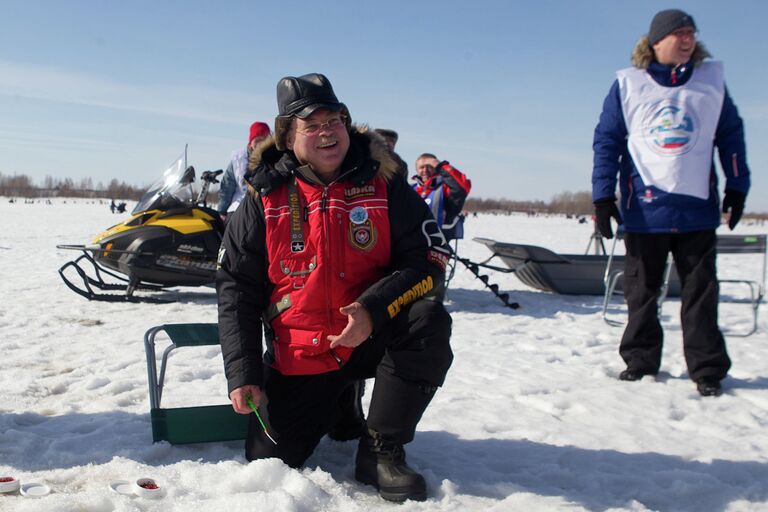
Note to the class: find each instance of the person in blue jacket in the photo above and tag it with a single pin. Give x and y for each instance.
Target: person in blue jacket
(445, 189)
(660, 124)
(233, 187)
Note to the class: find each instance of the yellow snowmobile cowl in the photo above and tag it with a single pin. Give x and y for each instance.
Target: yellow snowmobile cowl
(117, 228)
(187, 223)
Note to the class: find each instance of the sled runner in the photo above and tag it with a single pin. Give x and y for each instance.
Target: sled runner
(568, 274)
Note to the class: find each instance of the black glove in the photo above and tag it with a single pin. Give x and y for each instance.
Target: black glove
(604, 210)
(734, 201)
(442, 169)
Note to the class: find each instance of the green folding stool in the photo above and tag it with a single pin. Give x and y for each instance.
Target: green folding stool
(184, 425)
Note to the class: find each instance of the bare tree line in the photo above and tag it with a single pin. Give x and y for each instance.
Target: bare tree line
(567, 203)
(20, 185)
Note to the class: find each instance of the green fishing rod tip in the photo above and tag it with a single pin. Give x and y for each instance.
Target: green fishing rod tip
(250, 403)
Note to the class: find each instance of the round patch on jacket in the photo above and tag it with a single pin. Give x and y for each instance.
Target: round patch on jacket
(670, 129)
(362, 236)
(358, 215)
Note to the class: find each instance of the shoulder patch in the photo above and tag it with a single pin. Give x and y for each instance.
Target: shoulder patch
(438, 259)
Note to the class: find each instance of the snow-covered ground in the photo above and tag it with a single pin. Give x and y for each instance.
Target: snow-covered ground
(532, 416)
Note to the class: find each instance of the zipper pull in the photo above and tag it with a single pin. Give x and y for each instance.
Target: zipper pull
(336, 357)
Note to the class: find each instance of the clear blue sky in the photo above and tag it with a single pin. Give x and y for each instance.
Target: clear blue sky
(509, 92)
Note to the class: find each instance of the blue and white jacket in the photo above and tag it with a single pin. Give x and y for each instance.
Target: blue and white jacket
(647, 209)
(233, 187)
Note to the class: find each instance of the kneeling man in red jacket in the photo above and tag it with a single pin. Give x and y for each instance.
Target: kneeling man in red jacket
(341, 265)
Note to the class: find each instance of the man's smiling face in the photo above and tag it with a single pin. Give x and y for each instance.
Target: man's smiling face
(320, 140)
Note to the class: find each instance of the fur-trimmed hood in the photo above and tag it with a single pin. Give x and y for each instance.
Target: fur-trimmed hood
(643, 54)
(367, 157)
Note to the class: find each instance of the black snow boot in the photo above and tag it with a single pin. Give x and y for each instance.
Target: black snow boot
(351, 424)
(381, 462)
(396, 408)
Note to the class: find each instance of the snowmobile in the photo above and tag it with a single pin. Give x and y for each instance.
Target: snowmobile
(171, 239)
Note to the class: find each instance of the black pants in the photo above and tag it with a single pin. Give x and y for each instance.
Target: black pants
(409, 360)
(695, 260)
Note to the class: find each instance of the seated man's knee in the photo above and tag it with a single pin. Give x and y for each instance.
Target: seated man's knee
(424, 353)
(430, 316)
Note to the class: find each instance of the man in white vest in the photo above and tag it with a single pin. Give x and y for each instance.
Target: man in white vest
(233, 186)
(661, 121)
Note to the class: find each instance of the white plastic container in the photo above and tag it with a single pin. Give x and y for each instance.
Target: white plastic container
(8, 484)
(123, 487)
(34, 490)
(148, 488)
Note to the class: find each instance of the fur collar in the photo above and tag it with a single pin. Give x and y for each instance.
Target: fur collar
(368, 156)
(643, 55)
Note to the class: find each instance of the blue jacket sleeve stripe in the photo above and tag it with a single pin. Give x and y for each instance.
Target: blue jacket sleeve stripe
(729, 139)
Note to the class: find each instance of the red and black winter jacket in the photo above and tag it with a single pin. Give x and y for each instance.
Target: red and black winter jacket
(297, 250)
(455, 187)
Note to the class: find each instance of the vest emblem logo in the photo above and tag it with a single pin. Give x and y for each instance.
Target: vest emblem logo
(362, 236)
(670, 130)
(358, 215)
(648, 196)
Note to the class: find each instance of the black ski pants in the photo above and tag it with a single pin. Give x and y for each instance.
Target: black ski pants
(409, 360)
(695, 261)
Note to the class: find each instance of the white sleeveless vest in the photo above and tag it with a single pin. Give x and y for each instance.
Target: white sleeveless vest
(672, 129)
(239, 166)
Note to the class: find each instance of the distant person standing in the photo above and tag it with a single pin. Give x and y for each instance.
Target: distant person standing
(660, 123)
(445, 189)
(233, 185)
(390, 138)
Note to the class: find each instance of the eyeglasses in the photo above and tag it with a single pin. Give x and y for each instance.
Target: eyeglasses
(684, 32)
(332, 124)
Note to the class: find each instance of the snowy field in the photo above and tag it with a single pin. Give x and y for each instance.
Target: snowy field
(532, 416)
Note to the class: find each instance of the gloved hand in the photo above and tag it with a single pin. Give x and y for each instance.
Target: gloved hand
(734, 201)
(604, 210)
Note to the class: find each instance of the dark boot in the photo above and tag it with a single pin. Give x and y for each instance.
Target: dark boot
(396, 408)
(381, 463)
(709, 386)
(351, 424)
(633, 374)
